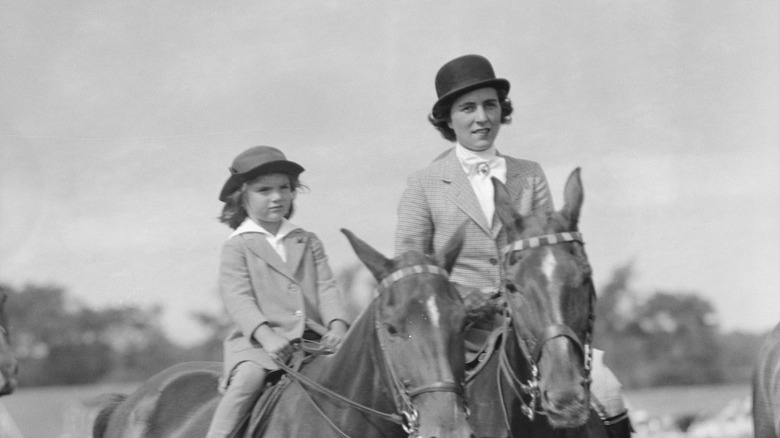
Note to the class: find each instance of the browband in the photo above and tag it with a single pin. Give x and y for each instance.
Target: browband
(411, 270)
(549, 239)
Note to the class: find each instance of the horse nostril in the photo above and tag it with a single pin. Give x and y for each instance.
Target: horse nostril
(562, 398)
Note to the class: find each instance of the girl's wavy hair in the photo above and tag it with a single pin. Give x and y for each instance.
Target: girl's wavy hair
(440, 117)
(234, 213)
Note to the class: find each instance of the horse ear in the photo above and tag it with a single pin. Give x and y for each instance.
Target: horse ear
(573, 196)
(447, 256)
(378, 264)
(511, 219)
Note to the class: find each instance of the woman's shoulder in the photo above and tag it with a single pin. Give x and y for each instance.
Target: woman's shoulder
(521, 161)
(523, 165)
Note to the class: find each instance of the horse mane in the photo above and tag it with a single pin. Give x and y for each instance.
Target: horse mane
(356, 340)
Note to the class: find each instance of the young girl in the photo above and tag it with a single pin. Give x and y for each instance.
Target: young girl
(274, 276)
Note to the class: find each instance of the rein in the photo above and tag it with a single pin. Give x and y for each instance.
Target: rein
(531, 388)
(408, 418)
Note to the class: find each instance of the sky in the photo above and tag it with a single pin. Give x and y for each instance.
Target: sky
(118, 121)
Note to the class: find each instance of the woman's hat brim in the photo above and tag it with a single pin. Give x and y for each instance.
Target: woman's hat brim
(235, 181)
(447, 99)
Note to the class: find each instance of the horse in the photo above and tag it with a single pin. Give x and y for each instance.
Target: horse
(766, 388)
(399, 371)
(8, 364)
(534, 381)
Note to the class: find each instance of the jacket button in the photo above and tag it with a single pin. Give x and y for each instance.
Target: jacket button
(293, 287)
(493, 261)
(298, 313)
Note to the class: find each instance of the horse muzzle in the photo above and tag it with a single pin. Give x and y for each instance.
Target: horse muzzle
(566, 408)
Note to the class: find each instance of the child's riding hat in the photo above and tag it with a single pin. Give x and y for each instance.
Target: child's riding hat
(464, 74)
(256, 161)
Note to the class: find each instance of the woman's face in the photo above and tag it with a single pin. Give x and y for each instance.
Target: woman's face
(269, 197)
(476, 117)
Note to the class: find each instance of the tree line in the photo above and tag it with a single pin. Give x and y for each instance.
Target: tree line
(666, 338)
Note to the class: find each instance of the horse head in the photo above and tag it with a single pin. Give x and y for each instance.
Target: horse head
(8, 364)
(550, 297)
(419, 324)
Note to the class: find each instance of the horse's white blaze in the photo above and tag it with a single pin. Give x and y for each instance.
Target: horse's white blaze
(433, 311)
(548, 264)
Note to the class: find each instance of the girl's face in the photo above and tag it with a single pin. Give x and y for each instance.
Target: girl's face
(269, 197)
(475, 117)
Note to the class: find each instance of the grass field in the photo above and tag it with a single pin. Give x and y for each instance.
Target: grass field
(66, 412)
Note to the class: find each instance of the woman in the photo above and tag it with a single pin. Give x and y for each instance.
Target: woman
(456, 188)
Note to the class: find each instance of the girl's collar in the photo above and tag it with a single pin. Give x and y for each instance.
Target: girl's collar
(250, 226)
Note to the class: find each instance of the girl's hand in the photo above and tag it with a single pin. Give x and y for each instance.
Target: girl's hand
(332, 339)
(275, 344)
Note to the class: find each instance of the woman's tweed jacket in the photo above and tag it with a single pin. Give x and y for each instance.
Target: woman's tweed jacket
(439, 199)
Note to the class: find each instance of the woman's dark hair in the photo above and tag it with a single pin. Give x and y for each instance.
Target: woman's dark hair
(233, 213)
(440, 117)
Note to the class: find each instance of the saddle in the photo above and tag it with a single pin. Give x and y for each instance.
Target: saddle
(485, 316)
(481, 341)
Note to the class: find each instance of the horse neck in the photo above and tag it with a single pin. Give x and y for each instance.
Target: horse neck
(355, 370)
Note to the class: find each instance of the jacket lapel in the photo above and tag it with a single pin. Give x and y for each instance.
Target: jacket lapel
(257, 244)
(458, 189)
(514, 182)
(295, 245)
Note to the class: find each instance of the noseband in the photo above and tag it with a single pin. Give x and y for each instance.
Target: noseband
(532, 355)
(402, 394)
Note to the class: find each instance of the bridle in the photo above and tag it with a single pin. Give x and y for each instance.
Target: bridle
(530, 388)
(407, 416)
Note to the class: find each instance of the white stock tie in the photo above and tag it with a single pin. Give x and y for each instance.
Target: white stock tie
(480, 171)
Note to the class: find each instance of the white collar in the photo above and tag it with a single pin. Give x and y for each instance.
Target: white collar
(250, 226)
(470, 161)
(467, 155)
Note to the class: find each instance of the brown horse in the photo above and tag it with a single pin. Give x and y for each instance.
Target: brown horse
(8, 364)
(536, 381)
(766, 388)
(399, 371)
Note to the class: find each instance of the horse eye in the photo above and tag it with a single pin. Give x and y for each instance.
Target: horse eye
(391, 329)
(511, 287)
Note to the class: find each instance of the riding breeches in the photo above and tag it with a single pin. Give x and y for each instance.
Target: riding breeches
(245, 385)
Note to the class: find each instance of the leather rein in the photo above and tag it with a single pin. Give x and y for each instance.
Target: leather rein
(530, 388)
(407, 416)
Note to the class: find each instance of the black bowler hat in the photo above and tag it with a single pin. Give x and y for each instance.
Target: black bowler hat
(465, 74)
(256, 161)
